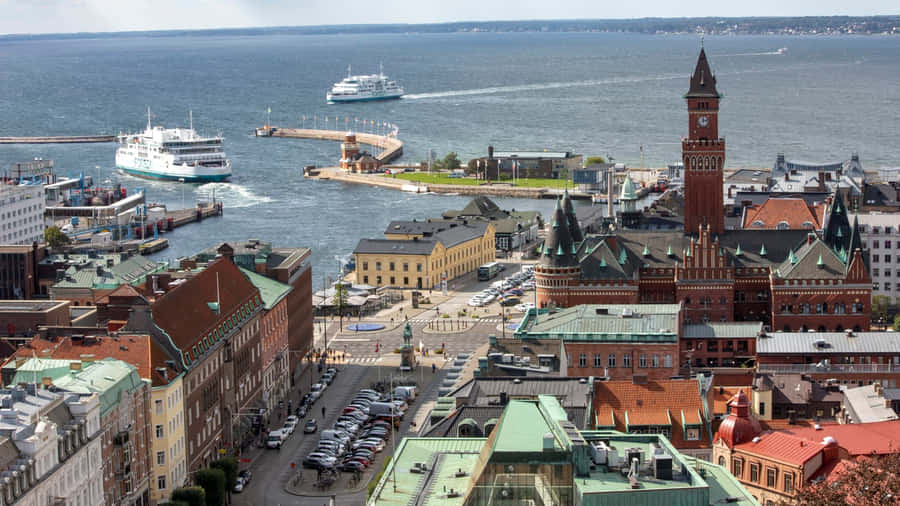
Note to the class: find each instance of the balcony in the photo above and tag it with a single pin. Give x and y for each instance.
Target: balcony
(121, 438)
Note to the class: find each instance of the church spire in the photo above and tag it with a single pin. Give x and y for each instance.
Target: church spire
(559, 247)
(569, 210)
(703, 82)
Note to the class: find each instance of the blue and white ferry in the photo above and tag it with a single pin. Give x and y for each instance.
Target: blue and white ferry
(173, 154)
(365, 87)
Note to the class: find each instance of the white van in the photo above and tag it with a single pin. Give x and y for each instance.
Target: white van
(276, 439)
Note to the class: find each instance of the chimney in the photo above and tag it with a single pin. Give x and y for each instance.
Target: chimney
(821, 181)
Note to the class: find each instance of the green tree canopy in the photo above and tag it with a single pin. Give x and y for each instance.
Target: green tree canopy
(192, 496)
(870, 480)
(54, 237)
(591, 160)
(213, 483)
(229, 466)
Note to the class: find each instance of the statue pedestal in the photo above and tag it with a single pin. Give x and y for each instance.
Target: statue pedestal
(407, 358)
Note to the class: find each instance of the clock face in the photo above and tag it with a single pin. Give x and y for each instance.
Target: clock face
(703, 121)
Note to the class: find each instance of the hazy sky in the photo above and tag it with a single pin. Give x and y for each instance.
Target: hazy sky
(56, 16)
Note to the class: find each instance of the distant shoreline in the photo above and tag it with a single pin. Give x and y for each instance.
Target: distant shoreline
(765, 26)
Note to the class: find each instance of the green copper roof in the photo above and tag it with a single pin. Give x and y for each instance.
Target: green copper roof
(738, 251)
(109, 378)
(792, 257)
(839, 233)
(646, 251)
(559, 250)
(270, 290)
(687, 252)
(669, 251)
(622, 257)
(762, 251)
(602, 262)
(820, 263)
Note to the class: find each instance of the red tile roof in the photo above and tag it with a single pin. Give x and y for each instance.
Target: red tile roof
(857, 439)
(782, 447)
(721, 396)
(651, 404)
(133, 349)
(184, 313)
(796, 212)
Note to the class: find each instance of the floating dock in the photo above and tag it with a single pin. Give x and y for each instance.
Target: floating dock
(392, 147)
(72, 139)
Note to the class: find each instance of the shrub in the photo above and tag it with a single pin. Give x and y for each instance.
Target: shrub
(192, 496)
(213, 483)
(229, 466)
(374, 482)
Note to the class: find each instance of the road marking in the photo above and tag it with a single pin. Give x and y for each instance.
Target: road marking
(349, 340)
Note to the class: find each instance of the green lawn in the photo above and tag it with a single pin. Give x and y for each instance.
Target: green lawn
(435, 178)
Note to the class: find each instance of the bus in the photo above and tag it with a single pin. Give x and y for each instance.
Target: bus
(488, 271)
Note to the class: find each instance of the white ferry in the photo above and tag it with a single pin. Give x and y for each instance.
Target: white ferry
(365, 87)
(173, 154)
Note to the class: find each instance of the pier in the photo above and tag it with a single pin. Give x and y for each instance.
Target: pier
(72, 139)
(392, 148)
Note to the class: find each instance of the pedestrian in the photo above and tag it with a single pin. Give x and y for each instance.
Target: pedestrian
(433, 368)
(323, 411)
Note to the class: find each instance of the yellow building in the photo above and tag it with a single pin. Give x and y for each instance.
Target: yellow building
(420, 254)
(167, 446)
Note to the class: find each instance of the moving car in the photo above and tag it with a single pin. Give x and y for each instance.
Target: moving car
(276, 439)
(311, 426)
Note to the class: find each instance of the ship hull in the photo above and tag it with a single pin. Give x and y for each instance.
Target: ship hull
(188, 178)
(335, 100)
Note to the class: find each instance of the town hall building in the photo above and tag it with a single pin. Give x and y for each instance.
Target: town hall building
(790, 280)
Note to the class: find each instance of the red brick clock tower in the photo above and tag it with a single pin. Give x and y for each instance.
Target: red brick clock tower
(703, 154)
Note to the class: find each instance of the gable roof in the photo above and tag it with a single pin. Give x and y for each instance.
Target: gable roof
(813, 260)
(783, 447)
(133, 349)
(674, 403)
(270, 290)
(187, 313)
(795, 212)
(857, 438)
(395, 246)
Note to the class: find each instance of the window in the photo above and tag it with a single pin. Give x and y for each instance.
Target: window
(160, 458)
(365, 266)
(161, 482)
(377, 266)
(692, 434)
(789, 477)
(762, 409)
(642, 361)
(612, 360)
(582, 360)
(771, 477)
(405, 267)
(876, 258)
(876, 244)
(754, 473)
(158, 406)
(366, 280)
(418, 267)
(160, 431)
(392, 266)
(626, 360)
(737, 468)
(654, 361)
(598, 360)
(393, 281)
(378, 280)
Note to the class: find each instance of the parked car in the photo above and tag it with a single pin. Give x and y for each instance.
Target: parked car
(351, 465)
(276, 439)
(243, 479)
(319, 461)
(238, 485)
(326, 379)
(311, 426)
(301, 411)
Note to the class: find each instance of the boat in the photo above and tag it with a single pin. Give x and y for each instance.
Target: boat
(781, 50)
(173, 154)
(414, 188)
(364, 87)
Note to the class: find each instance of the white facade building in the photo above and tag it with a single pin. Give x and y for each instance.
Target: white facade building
(50, 448)
(21, 214)
(880, 235)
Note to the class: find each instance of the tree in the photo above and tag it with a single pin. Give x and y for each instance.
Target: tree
(450, 161)
(229, 466)
(880, 306)
(591, 160)
(192, 496)
(897, 323)
(340, 299)
(867, 481)
(54, 237)
(213, 483)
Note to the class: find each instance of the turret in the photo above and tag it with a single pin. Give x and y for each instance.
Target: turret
(569, 210)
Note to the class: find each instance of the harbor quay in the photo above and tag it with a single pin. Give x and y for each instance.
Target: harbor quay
(45, 139)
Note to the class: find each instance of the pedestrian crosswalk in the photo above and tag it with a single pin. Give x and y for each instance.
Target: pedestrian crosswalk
(467, 320)
(361, 360)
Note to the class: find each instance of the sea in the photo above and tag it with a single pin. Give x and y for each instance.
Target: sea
(617, 95)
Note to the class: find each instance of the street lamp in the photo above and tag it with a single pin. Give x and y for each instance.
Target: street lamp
(181, 180)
